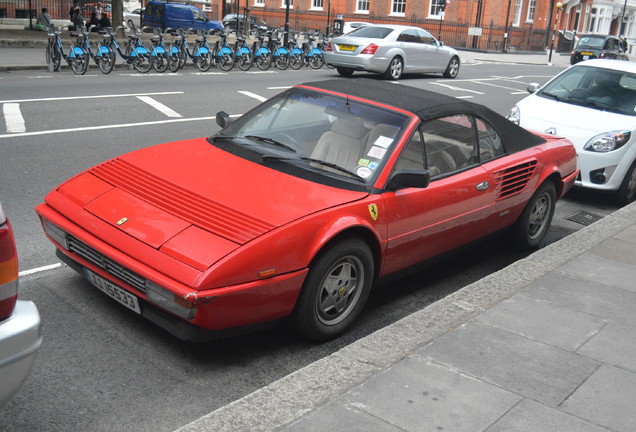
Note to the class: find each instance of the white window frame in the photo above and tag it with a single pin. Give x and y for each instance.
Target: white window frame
(435, 4)
(398, 4)
(362, 10)
(316, 5)
(532, 6)
(283, 4)
(259, 3)
(516, 22)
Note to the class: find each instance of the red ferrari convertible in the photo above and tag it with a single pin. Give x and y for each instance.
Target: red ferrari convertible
(297, 207)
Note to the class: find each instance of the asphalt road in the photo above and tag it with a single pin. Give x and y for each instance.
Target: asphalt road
(102, 367)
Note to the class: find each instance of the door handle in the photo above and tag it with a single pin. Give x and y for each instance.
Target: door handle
(483, 186)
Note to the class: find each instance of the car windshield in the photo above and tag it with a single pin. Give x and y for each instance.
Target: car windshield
(591, 42)
(596, 88)
(373, 32)
(322, 133)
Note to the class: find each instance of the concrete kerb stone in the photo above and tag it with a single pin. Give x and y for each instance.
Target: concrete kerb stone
(290, 398)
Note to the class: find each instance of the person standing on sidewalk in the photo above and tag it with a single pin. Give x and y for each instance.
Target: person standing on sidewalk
(75, 14)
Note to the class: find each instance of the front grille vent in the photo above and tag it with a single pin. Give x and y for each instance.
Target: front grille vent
(512, 181)
(106, 264)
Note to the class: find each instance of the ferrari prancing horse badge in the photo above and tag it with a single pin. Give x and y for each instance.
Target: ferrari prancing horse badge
(373, 210)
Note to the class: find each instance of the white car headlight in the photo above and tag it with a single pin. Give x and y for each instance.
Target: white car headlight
(608, 141)
(514, 115)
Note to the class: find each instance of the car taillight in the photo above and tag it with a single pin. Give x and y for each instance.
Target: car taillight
(8, 269)
(329, 47)
(370, 49)
(602, 55)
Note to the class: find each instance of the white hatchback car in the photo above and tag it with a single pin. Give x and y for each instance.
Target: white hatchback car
(593, 104)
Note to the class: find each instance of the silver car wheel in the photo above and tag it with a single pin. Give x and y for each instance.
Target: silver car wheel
(453, 68)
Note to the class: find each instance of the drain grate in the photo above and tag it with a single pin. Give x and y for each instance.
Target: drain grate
(584, 218)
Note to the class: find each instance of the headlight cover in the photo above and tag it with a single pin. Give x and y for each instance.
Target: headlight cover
(608, 141)
(514, 115)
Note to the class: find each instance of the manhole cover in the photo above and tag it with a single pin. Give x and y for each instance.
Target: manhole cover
(584, 218)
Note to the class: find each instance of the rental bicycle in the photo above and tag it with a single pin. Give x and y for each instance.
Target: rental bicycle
(312, 54)
(222, 54)
(261, 53)
(76, 58)
(158, 54)
(242, 54)
(103, 57)
(280, 54)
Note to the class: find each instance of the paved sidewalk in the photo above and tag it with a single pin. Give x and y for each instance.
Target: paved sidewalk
(546, 344)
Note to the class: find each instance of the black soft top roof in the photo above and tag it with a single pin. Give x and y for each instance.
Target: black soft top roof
(427, 105)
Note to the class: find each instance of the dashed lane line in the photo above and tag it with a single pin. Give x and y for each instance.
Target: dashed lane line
(159, 106)
(253, 95)
(90, 97)
(13, 118)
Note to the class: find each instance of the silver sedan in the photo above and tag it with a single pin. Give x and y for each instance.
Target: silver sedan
(391, 50)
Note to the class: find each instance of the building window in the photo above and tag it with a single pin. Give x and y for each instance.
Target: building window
(517, 19)
(284, 4)
(362, 6)
(437, 7)
(316, 4)
(259, 3)
(398, 7)
(531, 8)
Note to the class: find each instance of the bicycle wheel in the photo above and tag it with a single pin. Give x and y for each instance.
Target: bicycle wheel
(263, 61)
(183, 57)
(282, 61)
(173, 60)
(142, 63)
(160, 62)
(316, 61)
(203, 62)
(296, 61)
(57, 58)
(106, 61)
(244, 61)
(49, 55)
(79, 63)
(225, 62)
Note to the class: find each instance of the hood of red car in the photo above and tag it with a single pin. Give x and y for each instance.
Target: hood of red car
(190, 191)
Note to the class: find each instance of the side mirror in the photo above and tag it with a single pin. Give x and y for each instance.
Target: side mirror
(409, 178)
(223, 119)
(440, 43)
(533, 87)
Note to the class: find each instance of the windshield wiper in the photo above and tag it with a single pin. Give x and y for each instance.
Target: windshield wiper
(270, 141)
(555, 96)
(316, 161)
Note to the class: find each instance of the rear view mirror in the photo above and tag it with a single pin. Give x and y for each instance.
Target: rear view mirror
(223, 119)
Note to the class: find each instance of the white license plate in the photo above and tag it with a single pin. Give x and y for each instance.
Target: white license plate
(586, 57)
(113, 291)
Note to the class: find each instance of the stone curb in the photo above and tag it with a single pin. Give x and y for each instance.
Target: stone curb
(288, 399)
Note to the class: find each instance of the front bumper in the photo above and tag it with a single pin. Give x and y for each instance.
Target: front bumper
(604, 171)
(20, 339)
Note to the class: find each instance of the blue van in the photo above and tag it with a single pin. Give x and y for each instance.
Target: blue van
(174, 15)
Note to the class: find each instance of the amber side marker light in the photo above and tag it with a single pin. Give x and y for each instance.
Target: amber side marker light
(8, 269)
(266, 273)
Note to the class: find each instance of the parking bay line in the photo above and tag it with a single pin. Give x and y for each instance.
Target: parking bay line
(159, 106)
(13, 118)
(90, 97)
(90, 128)
(253, 95)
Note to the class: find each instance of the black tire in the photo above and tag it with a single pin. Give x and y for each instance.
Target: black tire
(316, 61)
(263, 61)
(183, 56)
(49, 55)
(627, 192)
(79, 63)
(452, 69)
(244, 61)
(204, 62)
(107, 61)
(142, 63)
(335, 291)
(160, 62)
(395, 69)
(296, 61)
(57, 59)
(282, 62)
(534, 223)
(345, 72)
(225, 62)
(173, 62)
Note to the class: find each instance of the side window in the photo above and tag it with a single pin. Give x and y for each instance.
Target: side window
(409, 36)
(450, 144)
(412, 156)
(426, 38)
(490, 146)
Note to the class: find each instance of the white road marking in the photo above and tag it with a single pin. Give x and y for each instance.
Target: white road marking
(464, 97)
(13, 118)
(262, 72)
(495, 85)
(90, 128)
(209, 73)
(159, 106)
(253, 95)
(40, 76)
(90, 97)
(39, 269)
(279, 88)
(458, 88)
(151, 75)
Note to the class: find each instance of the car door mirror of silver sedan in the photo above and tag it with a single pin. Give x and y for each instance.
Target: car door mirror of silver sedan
(409, 178)
(223, 119)
(533, 87)
(440, 43)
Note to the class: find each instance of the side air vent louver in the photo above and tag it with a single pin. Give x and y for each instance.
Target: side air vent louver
(512, 181)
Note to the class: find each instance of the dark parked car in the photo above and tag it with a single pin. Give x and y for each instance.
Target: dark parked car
(598, 46)
(229, 22)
